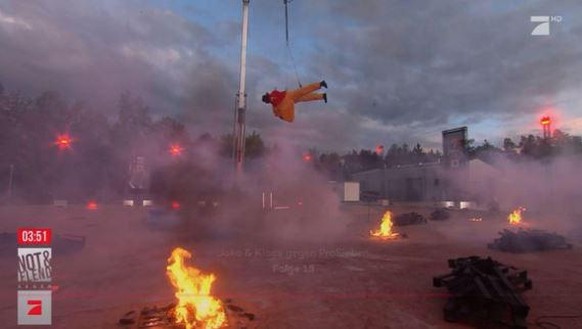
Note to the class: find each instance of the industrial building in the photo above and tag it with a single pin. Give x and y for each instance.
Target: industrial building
(452, 179)
(431, 182)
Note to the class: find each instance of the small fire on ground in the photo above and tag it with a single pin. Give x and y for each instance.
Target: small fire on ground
(515, 217)
(385, 230)
(196, 307)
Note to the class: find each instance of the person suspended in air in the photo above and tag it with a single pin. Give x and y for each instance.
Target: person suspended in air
(283, 102)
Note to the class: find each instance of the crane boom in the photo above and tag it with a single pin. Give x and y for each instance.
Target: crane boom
(241, 102)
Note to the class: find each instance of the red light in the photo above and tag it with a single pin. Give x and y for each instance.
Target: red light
(175, 205)
(92, 205)
(545, 121)
(379, 149)
(176, 150)
(64, 142)
(307, 157)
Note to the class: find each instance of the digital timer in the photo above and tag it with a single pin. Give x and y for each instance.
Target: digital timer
(34, 236)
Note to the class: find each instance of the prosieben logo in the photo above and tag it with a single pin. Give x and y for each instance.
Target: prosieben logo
(543, 24)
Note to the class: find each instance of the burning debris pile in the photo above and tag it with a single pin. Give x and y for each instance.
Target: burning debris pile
(410, 218)
(196, 308)
(385, 230)
(485, 291)
(154, 317)
(165, 318)
(515, 217)
(528, 240)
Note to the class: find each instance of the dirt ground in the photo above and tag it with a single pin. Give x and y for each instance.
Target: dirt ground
(350, 281)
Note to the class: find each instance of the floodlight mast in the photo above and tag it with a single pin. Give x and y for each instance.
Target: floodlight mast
(241, 97)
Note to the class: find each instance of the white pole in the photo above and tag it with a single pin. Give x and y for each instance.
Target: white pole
(239, 122)
(243, 55)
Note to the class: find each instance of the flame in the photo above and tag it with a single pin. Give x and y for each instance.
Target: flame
(515, 216)
(196, 307)
(545, 121)
(385, 230)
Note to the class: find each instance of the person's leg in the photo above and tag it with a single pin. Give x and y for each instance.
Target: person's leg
(298, 93)
(310, 97)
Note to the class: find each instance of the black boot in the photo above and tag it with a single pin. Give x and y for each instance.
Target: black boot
(325, 97)
(323, 84)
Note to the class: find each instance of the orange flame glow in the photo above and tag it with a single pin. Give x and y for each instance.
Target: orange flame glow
(545, 121)
(196, 308)
(385, 230)
(515, 216)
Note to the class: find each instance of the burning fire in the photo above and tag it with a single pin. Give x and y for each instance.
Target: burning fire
(515, 217)
(385, 230)
(196, 307)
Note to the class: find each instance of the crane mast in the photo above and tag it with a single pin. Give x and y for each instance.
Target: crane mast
(241, 97)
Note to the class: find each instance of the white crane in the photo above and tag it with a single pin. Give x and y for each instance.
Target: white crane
(241, 96)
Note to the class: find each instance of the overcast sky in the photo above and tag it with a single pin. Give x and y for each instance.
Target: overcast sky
(398, 71)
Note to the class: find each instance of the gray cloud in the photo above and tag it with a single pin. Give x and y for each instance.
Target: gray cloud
(399, 71)
(95, 52)
(403, 62)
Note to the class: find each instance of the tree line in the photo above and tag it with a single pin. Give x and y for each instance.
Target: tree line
(94, 163)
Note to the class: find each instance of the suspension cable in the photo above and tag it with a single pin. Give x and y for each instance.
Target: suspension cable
(286, 2)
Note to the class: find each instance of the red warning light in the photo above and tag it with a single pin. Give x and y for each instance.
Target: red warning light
(176, 150)
(545, 121)
(379, 149)
(92, 205)
(307, 157)
(63, 142)
(175, 205)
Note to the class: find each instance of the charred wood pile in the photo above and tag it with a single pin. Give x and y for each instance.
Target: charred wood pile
(529, 240)
(163, 317)
(410, 218)
(439, 214)
(485, 293)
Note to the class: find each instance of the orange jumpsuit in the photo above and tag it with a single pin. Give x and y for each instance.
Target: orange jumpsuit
(283, 102)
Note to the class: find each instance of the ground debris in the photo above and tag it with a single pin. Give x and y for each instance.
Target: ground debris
(528, 240)
(485, 292)
(410, 218)
(440, 214)
(157, 317)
